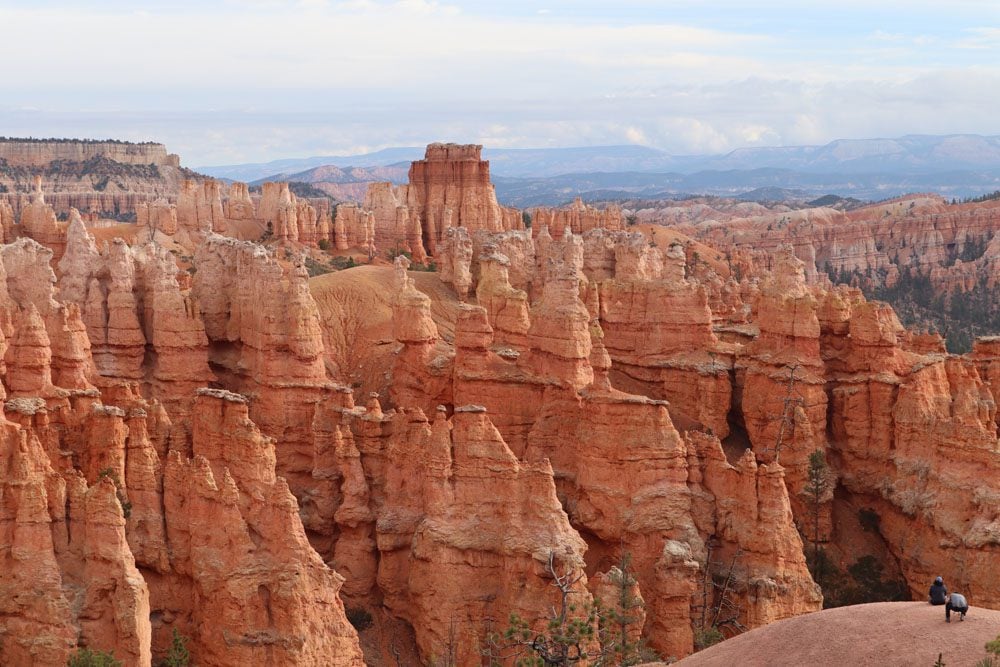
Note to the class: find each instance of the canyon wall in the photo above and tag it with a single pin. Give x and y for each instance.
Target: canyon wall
(181, 449)
(38, 153)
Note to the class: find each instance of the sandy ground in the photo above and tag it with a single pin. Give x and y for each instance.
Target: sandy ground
(883, 633)
(664, 236)
(125, 230)
(355, 307)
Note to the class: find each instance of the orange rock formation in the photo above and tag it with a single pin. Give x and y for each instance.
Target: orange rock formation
(185, 452)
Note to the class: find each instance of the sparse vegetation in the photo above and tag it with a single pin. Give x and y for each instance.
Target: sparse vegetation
(393, 253)
(990, 196)
(566, 640)
(617, 622)
(992, 660)
(718, 608)
(429, 267)
(299, 189)
(590, 634)
(178, 655)
(960, 317)
(864, 582)
(705, 637)
(64, 140)
(268, 232)
(86, 657)
(315, 268)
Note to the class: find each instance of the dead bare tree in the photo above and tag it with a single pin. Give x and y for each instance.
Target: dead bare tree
(727, 609)
(719, 608)
(791, 401)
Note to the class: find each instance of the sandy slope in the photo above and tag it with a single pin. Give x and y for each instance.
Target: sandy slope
(665, 236)
(355, 307)
(883, 633)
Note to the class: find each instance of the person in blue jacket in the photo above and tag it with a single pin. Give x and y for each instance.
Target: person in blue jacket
(939, 592)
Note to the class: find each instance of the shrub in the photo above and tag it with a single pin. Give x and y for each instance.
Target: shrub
(393, 253)
(314, 268)
(340, 263)
(429, 266)
(86, 657)
(178, 655)
(864, 582)
(703, 638)
(324, 244)
(992, 647)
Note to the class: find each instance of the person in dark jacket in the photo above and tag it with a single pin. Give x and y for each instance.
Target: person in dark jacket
(958, 604)
(939, 592)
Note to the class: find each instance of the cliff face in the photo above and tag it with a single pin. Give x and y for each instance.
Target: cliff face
(119, 179)
(263, 325)
(628, 480)
(577, 217)
(449, 188)
(105, 517)
(806, 369)
(933, 261)
(468, 481)
(111, 178)
(256, 591)
(40, 153)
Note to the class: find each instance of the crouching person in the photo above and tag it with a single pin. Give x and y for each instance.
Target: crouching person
(958, 604)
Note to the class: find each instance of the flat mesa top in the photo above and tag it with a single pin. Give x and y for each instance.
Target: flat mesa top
(449, 152)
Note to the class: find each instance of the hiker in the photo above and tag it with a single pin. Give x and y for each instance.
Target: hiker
(958, 604)
(939, 592)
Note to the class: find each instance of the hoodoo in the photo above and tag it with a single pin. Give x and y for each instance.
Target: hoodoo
(202, 442)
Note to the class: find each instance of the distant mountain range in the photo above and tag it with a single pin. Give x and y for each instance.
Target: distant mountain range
(953, 165)
(765, 184)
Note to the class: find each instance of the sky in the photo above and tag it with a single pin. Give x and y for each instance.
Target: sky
(234, 81)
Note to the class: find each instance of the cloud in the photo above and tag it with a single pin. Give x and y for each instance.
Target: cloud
(234, 80)
(980, 38)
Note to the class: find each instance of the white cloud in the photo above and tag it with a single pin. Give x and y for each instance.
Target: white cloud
(635, 135)
(980, 38)
(240, 80)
